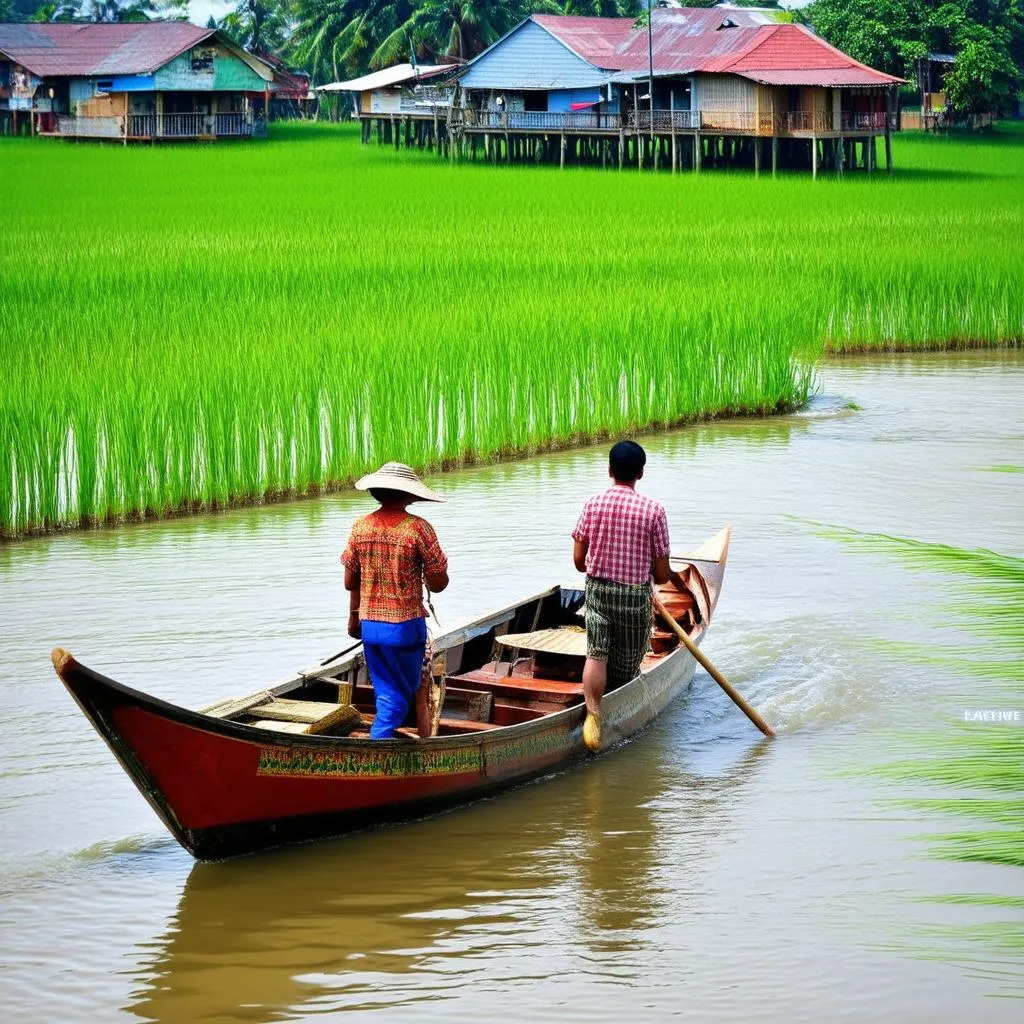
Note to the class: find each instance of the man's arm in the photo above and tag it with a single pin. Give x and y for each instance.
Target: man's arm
(661, 569)
(579, 554)
(663, 572)
(436, 581)
(352, 586)
(435, 561)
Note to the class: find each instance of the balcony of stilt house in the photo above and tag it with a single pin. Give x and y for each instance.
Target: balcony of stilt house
(669, 139)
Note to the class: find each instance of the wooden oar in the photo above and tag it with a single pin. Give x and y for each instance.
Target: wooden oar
(724, 683)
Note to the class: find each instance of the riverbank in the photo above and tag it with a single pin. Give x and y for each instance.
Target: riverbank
(200, 327)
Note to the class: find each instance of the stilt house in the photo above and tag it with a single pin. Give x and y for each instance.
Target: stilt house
(145, 81)
(718, 86)
(404, 95)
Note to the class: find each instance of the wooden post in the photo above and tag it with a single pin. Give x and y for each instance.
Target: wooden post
(561, 155)
(888, 134)
(622, 147)
(841, 155)
(697, 155)
(775, 153)
(125, 119)
(757, 156)
(266, 107)
(814, 157)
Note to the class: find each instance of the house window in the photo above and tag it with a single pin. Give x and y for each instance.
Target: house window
(104, 85)
(536, 99)
(202, 58)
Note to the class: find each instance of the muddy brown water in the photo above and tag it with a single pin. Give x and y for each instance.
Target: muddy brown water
(693, 872)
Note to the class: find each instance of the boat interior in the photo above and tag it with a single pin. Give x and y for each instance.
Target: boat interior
(512, 666)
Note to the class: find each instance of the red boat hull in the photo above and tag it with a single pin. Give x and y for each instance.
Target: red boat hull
(223, 792)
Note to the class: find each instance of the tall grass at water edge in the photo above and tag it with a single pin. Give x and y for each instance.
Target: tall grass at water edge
(195, 326)
(970, 773)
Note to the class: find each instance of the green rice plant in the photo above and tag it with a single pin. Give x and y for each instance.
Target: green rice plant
(192, 327)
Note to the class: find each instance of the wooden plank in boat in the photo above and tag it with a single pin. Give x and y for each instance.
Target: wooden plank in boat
(569, 641)
(309, 711)
(523, 686)
(301, 728)
(234, 706)
(479, 704)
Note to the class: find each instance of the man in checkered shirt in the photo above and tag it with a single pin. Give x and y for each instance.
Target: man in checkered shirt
(621, 543)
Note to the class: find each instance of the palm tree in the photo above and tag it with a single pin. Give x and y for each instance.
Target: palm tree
(449, 28)
(335, 38)
(258, 25)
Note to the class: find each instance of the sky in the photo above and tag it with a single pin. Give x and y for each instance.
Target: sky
(200, 10)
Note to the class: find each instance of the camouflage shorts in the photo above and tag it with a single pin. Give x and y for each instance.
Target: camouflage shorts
(618, 620)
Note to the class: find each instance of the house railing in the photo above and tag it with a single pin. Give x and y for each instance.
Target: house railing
(729, 120)
(534, 120)
(226, 124)
(792, 122)
(91, 127)
(664, 120)
(853, 121)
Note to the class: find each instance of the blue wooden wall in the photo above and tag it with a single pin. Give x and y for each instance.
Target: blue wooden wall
(531, 58)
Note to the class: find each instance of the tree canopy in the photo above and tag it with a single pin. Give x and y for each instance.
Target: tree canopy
(985, 36)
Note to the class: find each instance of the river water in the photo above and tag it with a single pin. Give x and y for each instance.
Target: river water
(694, 872)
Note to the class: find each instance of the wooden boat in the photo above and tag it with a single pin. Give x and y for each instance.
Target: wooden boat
(294, 762)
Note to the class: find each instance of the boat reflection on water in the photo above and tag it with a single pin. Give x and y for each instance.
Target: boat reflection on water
(497, 893)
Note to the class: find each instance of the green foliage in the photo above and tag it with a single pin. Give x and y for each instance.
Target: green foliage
(337, 305)
(986, 36)
(261, 26)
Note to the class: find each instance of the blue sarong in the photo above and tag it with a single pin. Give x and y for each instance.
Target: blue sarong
(394, 655)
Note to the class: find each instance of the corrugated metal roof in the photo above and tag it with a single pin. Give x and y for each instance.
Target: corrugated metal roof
(793, 55)
(50, 50)
(737, 41)
(395, 75)
(596, 40)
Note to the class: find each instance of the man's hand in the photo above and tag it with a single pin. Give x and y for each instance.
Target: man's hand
(355, 627)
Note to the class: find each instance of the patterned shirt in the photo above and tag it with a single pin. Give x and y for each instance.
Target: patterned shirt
(624, 532)
(391, 551)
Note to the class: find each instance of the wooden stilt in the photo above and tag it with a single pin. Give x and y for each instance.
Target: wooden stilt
(888, 133)
(775, 155)
(698, 144)
(814, 157)
(561, 158)
(622, 148)
(757, 157)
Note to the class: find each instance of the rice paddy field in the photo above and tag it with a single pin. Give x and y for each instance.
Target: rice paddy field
(194, 327)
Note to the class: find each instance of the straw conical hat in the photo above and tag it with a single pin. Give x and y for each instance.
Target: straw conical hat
(396, 476)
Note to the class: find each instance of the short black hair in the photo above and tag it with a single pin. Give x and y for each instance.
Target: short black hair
(626, 460)
(385, 494)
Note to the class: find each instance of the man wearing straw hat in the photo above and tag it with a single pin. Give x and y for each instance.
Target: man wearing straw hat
(390, 555)
(621, 543)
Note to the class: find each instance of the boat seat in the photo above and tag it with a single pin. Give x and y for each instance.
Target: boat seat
(510, 687)
(277, 714)
(568, 640)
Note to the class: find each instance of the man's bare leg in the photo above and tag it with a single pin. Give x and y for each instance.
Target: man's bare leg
(595, 679)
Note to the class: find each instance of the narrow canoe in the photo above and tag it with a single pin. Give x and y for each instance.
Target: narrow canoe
(265, 770)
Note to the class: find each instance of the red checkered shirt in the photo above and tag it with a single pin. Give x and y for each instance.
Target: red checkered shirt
(624, 532)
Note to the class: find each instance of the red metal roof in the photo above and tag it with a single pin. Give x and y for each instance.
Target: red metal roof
(596, 40)
(732, 41)
(49, 50)
(793, 55)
